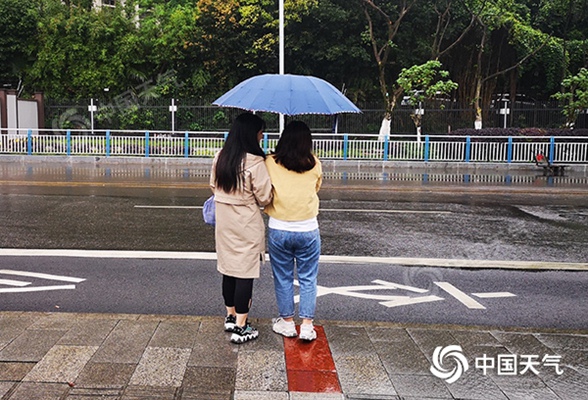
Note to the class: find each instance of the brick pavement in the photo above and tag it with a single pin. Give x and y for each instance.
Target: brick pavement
(50, 356)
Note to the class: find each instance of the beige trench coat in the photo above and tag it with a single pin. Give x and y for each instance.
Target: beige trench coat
(240, 230)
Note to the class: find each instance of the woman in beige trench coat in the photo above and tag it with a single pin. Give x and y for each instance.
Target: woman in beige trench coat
(241, 184)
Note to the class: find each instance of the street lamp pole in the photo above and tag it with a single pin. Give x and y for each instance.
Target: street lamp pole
(281, 34)
(281, 12)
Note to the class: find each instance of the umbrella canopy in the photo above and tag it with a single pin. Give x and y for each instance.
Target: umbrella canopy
(287, 94)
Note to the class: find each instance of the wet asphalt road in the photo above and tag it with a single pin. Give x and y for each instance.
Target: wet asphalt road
(355, 223)
(90, 208)
(352, 292)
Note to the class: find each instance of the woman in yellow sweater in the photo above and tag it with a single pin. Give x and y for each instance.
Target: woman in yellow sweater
(294, 240)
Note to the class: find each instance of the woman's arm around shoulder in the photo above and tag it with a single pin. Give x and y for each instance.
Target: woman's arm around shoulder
(261, 184)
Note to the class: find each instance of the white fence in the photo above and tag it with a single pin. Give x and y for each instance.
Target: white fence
(433, 148)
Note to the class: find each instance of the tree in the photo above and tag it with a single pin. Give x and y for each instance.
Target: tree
(567, 22)
(81, 52)
(239, 40)
(385, 39)
(326, 41)
(501, 43)
(18, 26)
(390, 16)
(423, 82)
(168, 36)
(574, 96)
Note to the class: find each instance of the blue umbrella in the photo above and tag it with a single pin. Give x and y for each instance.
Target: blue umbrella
(288, 95)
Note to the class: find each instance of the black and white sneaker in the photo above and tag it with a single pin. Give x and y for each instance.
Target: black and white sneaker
(230, 323)
(244, 334)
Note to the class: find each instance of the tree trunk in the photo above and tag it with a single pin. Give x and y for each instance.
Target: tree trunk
(478, 78)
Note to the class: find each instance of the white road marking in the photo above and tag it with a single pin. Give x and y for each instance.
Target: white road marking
(351, 291)
(460, 296)
(166, 207)
(37, 289)
(399, 286)
(493, 295)
(42, 276)
(458, 263)
(166, 255)
(384, 211)
(397, 301)
(364, 260)
(405, 300)
(10, 282)
(322, 209)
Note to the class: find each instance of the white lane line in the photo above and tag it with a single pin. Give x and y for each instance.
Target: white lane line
(165, 255)
(458, 263)
(322, 209)
(42, 276)
(364, 260)
(493, 295)
(462, 297)
(165, 207)
(37, 289)
(10, 282)
(383, 211)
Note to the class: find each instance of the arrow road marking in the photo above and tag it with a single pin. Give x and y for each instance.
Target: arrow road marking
(492, 295)
(37, 289)
(13, 283)
(23, 289)
(396, 301)
(466, 300)
(392, 285)
(405, 300)
(42, 276)
(351, 291)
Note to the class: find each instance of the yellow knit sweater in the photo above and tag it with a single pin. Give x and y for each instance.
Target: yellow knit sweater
(294, 194)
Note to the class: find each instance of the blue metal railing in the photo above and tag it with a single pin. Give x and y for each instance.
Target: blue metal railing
(434, 148)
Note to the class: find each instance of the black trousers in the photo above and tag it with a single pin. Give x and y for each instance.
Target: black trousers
(237, 293)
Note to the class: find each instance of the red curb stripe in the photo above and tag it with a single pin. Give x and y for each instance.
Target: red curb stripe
(310, 366)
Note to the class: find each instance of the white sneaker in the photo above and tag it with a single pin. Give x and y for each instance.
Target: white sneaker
(284, 328)
(307, 332)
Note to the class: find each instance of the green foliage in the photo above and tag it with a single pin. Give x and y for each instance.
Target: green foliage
(82, 52)
(326, 40)
(18, 25)
(150, 49)
(425, 81)
(574, 96)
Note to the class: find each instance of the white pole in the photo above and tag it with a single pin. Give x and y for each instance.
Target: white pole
(505, 113)
(173, 109)
(281, 17)
(92, 108)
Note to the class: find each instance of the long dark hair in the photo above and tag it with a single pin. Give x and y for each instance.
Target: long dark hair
(294, 149)
(242, 139)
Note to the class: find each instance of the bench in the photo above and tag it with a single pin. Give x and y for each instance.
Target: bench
(549, 169)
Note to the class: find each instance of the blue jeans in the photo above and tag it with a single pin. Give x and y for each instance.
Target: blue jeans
(300, 250)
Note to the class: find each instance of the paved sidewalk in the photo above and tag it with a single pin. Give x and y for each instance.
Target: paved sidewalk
(50, 356)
